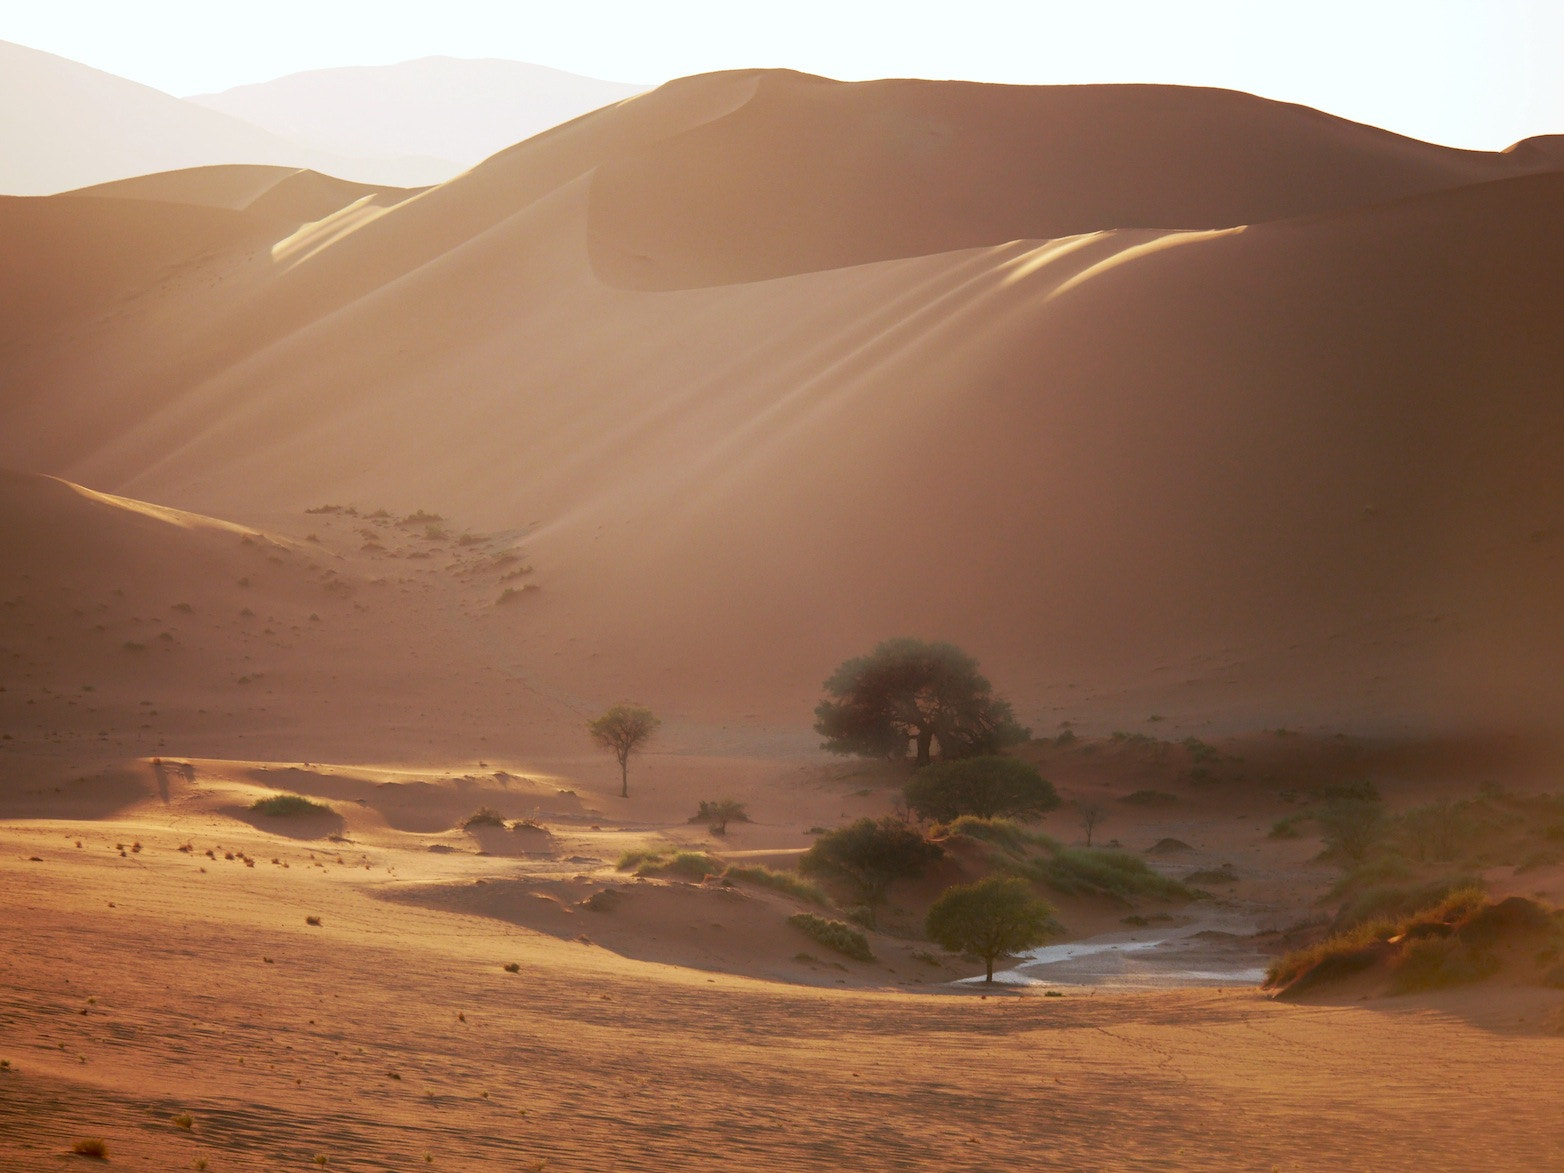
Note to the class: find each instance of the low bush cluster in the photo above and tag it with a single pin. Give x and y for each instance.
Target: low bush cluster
(833, 934)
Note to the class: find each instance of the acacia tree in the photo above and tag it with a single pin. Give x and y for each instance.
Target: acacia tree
(989, 786)
(908, 691)
(993, 918)
(623, 729)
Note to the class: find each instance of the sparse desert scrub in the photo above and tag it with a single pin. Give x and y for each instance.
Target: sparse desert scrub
(784, 882)
(183, 1120)
(484, 816)
(833, 934)
(1088, 870)
(91, 1146)
(692, 865)
(1363, 945)
(1070, 870)
(719, 814)
(286, 806)
(1004, 833)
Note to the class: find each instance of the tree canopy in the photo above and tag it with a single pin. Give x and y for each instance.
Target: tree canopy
(623, 729)
(989, 786)
(870, 854)
(992, 918)
(909, 691)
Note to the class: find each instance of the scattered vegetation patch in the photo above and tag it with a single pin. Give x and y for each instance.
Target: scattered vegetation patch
(1453, 942)
(691, 865)
(288, 806)
(1150, 798)
(833, 934)
(1002, 833)
(1075, 871)
(91, 1146)
(784, 882)
(717, 815)
(484, 816)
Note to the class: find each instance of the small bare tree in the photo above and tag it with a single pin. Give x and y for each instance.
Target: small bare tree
(623, 729)
(1091, 813)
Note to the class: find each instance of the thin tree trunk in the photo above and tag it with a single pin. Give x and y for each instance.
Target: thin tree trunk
(925, 737)
(990, 978)
(624, 776)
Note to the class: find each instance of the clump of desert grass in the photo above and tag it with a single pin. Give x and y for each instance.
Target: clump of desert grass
(689, 865)
(833, 934)
(699, 865)
(1070, 871)
(484, 816)
(91, 1146)
(784, 882)
(288, 806)
(1451, 940)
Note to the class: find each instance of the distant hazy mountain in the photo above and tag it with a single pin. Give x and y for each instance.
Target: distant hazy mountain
(445, 107)
(65, 125)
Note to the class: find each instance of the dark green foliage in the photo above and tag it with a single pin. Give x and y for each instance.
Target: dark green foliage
(288, 806)
(871, 854)
(833, 934)
(908, 691)
(989, 786)
(992, 918)
(623, 729)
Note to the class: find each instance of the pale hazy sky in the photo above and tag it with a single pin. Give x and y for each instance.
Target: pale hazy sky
(1477, 73)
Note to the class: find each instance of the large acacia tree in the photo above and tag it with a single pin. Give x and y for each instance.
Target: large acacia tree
(908, 692)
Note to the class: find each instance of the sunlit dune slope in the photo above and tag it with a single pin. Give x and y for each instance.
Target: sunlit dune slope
(1300, 470)
(127, 628)
(813, 174)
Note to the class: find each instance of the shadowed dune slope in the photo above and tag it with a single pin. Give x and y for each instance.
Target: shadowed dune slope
(1300, 470)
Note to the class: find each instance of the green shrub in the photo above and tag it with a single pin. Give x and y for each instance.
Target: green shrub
(833, 934)
(288, 806)
(871, 854)
(784, 882)
(992, 918)
(987, 786)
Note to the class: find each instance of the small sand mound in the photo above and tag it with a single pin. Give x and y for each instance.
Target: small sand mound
(1168, 847)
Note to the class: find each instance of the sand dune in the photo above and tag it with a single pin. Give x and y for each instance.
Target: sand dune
(1190, 458)
(436, 107)
(64, 125)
